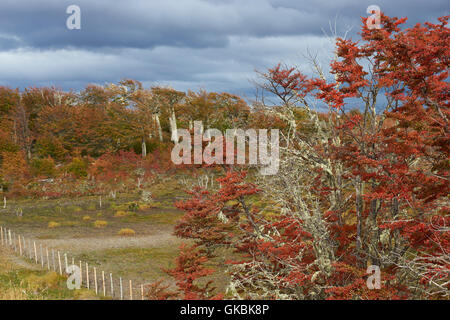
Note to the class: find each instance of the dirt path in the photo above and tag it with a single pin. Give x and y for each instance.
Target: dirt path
(80, 245)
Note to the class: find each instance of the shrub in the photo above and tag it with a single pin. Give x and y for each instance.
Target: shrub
(126, 232)
(43, 167)
(100, 224)
(133, 207)
(152, 145)
(50, 146)
(121, 213)
(144, 207)
(44, 282)
(86, 218)
(78, 167)
(53, 224)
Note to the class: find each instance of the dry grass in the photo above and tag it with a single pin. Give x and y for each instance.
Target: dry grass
(100, 224)
(53, 224)
(121, 214)
(22, 281)
(126, 232)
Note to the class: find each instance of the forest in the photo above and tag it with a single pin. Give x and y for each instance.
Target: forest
(363, 175)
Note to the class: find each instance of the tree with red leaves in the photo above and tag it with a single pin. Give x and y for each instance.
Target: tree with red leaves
(362, 187)
(212, 219)
(394, 154)
(190, 275)
(189, 269)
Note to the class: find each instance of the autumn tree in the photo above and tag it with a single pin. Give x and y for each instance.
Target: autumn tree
(358, 188)
(391, 154)
(168, 101)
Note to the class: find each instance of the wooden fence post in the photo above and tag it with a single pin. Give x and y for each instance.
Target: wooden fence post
(87, 276)
(20, 246)
(65, 261)
(95, 281)
(131, 290)
(35, 252)
(53, 260)
(81, 273)
(48, 258)
(121, 288)
(42, 256)
(103, 282)
(112, 285)
(59, 262)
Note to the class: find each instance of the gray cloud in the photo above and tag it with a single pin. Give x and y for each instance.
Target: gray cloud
(144, 24)
(211, 44)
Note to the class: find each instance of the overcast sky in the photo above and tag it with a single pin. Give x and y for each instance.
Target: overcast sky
(188, 44)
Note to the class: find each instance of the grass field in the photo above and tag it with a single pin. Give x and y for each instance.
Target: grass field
(91, 232)
(20, 280)
(123, 235)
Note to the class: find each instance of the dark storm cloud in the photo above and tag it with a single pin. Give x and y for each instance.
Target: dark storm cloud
(146, 24)
(211, 44)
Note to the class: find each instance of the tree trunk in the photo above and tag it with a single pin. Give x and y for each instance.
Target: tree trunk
(144, 148)
(359, 211)
(158, 126)
(374, 233)
(173, 127)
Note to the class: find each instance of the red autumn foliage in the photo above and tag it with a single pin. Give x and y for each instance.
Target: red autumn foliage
(396, 215)
(188, 270)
